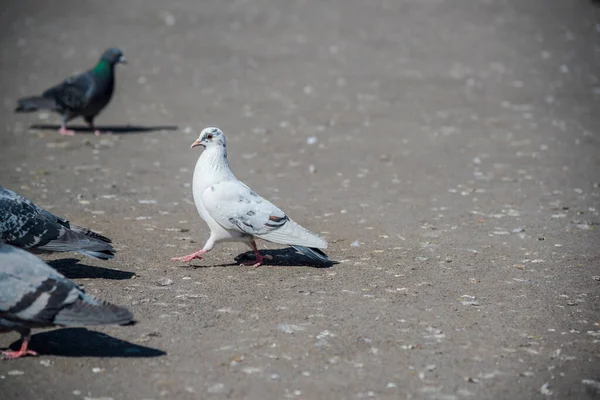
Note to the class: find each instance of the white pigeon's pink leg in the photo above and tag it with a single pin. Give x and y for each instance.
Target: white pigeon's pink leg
(190, 257)
(22, 352)
(259, 258)
(64, 131)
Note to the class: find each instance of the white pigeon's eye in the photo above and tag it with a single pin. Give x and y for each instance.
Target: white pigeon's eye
(209, 137)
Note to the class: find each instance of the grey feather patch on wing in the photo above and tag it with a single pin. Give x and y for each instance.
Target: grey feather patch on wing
(49, 285)
(276, 222)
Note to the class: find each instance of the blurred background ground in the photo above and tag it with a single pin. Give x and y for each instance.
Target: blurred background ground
(448, 150)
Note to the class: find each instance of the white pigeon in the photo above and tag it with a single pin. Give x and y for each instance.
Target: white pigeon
(235, 213)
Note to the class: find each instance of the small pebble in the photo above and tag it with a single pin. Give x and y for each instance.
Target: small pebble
(545, 389)
(216, 388)
(311, 140)
(592, 385)
(165, 282)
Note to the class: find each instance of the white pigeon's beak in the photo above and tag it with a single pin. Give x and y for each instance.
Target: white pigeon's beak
(196, 143)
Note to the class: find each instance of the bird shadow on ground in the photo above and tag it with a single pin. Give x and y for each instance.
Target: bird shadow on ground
(284, 257)
(194, 266)
(72, 269)
(81, 342)
(288, 257)
(114, 129)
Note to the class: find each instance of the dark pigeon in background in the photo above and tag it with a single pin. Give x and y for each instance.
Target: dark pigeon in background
(29, 227)
(34, 295)
(83, 95)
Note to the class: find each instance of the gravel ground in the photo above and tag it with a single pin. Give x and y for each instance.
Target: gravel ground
(447, 150)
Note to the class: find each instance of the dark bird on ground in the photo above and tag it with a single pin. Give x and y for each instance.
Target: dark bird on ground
(84, 95)
(34, 295)
(25, 225)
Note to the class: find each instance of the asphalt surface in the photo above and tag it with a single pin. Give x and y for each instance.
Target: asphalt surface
(447, 150)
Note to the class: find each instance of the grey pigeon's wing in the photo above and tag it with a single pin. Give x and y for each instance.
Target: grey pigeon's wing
(30, 290)
(35, 295)
(25, 225)
(236, 207)
(84, 231)
(74, 93)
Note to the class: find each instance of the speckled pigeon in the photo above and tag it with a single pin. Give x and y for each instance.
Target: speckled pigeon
(83, 95)
(34, 295)
(25, 225)
(235, 213)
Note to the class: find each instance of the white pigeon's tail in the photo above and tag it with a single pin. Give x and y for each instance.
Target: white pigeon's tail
(293, 234)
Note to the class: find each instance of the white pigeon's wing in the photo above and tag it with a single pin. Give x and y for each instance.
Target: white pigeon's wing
(236, 207)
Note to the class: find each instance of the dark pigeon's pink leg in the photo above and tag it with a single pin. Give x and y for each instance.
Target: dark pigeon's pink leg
(90, 122)
(64, 131)
(98, 132)
(22, 352)
(190, 257)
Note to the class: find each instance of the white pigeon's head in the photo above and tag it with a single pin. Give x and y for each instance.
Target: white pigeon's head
(210, 137)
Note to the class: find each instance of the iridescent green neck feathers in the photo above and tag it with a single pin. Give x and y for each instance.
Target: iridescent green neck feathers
(103, 67)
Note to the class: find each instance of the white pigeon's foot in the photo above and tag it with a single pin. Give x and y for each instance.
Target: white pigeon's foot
(22, 352)
(190, 257)
(259, 260)
(66, 132)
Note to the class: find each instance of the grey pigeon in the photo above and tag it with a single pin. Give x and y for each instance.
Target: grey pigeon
(25, 225)
(83, 95)
(34, 295)
(235, 213)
